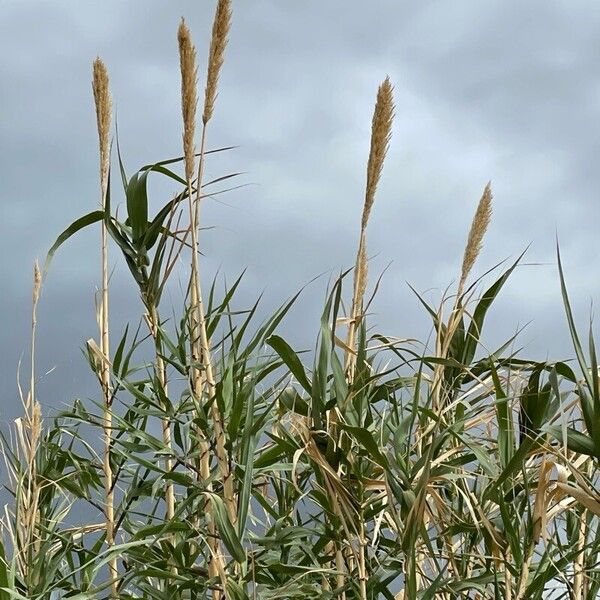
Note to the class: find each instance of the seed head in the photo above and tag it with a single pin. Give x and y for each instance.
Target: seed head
(381, 133)
(189, 101)
(218, 43)
(479, 226)
(100, 86)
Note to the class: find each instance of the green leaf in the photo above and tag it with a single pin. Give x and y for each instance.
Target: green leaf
(576, 441)
(293, 401)
(3, 574)
(290, 358)
(77, 225)
(119, 352)
(137, 205)
(247, 459)
(506, 434)
(366, 440)
(571, 322)
(226, 529)
(476, 326)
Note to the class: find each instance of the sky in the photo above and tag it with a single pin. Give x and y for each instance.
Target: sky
(502, 90)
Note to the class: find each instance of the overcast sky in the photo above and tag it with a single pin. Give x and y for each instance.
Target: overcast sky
(501, 90)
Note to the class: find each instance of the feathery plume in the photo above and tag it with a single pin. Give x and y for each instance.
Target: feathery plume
(218, 43)
(103, 113)
(189, 100)
(479, 226)
(381, 133)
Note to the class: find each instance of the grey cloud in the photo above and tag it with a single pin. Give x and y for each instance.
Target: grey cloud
(507, 91)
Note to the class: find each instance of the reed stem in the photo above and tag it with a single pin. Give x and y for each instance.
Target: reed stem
(103, 118)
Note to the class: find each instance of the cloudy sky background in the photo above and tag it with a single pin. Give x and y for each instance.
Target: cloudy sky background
(500, 90)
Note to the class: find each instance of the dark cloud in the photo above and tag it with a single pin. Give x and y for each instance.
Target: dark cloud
(507, 91)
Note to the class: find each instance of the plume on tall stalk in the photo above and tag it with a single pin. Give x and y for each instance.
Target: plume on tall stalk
(445, 335)
(447, 380)
(189, 101)
(103, 103)
(206, 376)
(27, 531)
(381, 133)
(201, 359)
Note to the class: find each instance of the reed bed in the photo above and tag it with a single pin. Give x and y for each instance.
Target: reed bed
(233, 466)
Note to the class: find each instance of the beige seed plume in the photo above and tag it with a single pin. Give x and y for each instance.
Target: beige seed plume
(103, 113)
(479, 226)
(189, 101)
(216, 55)
(381, 133)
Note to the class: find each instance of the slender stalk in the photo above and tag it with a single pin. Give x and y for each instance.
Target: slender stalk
(340, 566)
(30, 428)
(524, 575)
(380, 138)
(37, 286)
(209, 377)
(508, 578)
(579, 592)
(103, 116)
(360, 282)
(161, 376)
(362, 565)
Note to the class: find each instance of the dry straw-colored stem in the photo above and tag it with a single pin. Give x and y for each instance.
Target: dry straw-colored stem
(189, 101)
(34, 416)
(153, 321)
(477, 232)
(579, 572)
(37, 288)
(33, 423)
(26, 535)
(100, 86)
